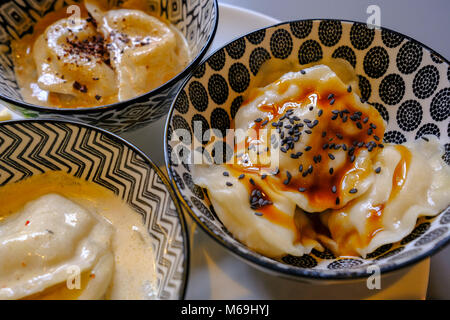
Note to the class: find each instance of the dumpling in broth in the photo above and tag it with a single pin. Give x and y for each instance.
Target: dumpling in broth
(145, 52)
(72, 62)
(41, 244)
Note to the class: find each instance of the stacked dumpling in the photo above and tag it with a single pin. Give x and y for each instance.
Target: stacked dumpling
(311, 171)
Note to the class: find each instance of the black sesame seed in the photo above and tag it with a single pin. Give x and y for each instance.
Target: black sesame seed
(365, 119)
(331, 156)
(353, 190)
(425, 138)
(264, 122)
(302, 71)
(258, 120)
(241, 176)
(344, 118)
(252, 181)
(325, 146)
(359, 125)
(337, 200)
(308, 148)
(331, 170)
(330, 96)
(229, 184)
(300, 169)
(259, 214)
(333, 189)
(349, 89)
(352, 158)
(369, 131)
(378, 170)
(302, 189)
(306, 121)
(331, 101)
(320, 112)
(226, 174)
(324, 133)
(381, 145)
(334, 117)
(308, 131)
(339, 136)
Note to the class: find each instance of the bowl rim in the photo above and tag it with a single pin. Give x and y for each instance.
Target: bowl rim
(299, 274)
(122, 104)
(153, 166)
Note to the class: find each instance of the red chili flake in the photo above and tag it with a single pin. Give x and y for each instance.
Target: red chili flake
(27, 222)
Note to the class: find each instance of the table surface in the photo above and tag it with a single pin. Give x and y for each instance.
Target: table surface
(215, 273)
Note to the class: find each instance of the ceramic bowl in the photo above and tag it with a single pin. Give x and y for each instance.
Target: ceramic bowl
(33, 147)
(197, 21)
(404, 80)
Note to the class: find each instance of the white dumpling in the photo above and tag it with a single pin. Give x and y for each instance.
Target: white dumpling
(413, 182)
(278, 231)
(40, 244)
(293, 93)
(72, 62)
(145, 52)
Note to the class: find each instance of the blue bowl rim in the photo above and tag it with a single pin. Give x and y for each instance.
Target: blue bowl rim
(289, 271)
(122, 104)
(161, 175)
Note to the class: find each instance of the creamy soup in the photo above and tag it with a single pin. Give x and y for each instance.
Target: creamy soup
(106, 55)
(52, 223)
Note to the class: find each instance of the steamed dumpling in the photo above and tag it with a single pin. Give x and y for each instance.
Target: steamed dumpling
(72, 63)
(40, 244)
(413, 182)
(273, 230)
(145, 52)
(322, 133)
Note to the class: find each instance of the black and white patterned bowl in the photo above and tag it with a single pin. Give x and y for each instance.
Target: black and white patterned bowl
(408, 83)
(196, 19)
(32, 147)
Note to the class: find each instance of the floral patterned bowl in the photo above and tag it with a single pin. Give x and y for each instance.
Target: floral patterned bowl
(196, 19)
(408, 83)
(32, 147)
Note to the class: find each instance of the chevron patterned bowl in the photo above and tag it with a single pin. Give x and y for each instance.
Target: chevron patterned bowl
(408, 83)
(33, 147)
(196, 19)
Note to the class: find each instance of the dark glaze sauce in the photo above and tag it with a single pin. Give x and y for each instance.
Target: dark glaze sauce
(319, 183)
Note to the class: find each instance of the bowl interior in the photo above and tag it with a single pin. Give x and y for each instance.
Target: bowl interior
(193, 18)
(32, 147)
(404, 80)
